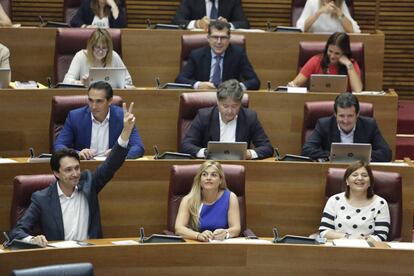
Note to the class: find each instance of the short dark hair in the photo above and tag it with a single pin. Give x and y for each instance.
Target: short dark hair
(102, 85)
(346, 100)
(230, 89)
(219, 26)
(59, 154)
(355, 166)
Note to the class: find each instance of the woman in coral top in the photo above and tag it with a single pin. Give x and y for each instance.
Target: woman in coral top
(335, 60)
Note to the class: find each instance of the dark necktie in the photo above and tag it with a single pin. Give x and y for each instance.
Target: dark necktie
(214, 11)
(216, 78)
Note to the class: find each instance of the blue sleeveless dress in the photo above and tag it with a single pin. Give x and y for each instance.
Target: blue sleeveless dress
(214, 216)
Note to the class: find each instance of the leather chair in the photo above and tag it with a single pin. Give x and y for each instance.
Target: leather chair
(298, 5)
(308, 49)
(23, 188)
(71, 40)
(78, 269)
(190, 103)
(181, 181)
(7, 7)
(190, 42)
(70, 7)
(387, 185)
(313, 111)
(61, 105)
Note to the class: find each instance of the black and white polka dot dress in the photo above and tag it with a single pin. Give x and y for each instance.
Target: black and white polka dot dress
(340, 216)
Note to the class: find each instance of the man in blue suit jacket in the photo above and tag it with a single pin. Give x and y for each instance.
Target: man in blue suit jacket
(234, 64)
(196, 13)
(346, 126)
(227, 121)
(69, 209)
(89, 130)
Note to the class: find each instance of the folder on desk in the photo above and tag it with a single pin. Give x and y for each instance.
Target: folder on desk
(157, 238)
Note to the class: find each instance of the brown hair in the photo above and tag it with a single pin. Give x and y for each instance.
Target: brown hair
(355, 166)
(100, 36)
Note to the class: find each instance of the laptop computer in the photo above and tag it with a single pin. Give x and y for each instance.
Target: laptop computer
(226, 150)
(4, 77)
(348, 152)
(114, 76)
(328, 83)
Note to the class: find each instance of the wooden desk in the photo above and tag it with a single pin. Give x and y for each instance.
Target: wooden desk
(25, 116)
(151, 53)
(290, 196)
(219, 259)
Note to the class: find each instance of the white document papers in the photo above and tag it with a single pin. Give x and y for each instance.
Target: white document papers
(7, 160)
(350, 243)
(64, 244)
(401, 245)
(125, 242)
(242, 241)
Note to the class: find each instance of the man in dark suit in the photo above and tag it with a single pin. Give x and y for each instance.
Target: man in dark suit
(227, 121)
(346, 126)
(197, 13)
(69, 209)
(93, 130)
(210, 65)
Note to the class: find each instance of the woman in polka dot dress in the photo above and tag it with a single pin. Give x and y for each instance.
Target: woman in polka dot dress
(356, 213)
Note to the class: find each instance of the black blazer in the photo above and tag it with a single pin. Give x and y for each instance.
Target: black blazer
(85, 15)
(326, 132)
(45, 210)
(196, 9)
(236, 65)
(206, 127)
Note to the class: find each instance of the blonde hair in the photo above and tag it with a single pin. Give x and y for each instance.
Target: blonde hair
(100, 36)
(195, 195)
(338, 3)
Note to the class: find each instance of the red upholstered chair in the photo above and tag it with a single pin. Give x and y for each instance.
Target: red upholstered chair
(7, 7)
(313, 111)
(190, 103)
(70, 7)
(387, 185)
(298, 5)
(23, 188)
(190, 42)
(308, 49)
(71, 40)
(61, 105)
(181, 181)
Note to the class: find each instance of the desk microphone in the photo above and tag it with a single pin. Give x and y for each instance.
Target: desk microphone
(141, 235)
(275, 235)
(148, 23)
(269, 86)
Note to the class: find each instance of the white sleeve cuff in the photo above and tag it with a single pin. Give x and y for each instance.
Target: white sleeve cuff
(253, 153)
(243, 86)
(191, 25)
(196, 85)
(28, 238)
(122, 142)
(200, 153)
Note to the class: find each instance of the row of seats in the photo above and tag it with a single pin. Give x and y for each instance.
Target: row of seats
(387, 185)
(405, 130)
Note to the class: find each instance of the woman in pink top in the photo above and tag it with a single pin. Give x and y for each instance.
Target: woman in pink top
(335, 60)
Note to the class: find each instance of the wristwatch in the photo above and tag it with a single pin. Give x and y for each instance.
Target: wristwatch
(350, 66)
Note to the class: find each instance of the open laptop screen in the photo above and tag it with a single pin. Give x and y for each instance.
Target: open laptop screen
(347, 153)
(226, 150)
(114, 76)
(328, 83)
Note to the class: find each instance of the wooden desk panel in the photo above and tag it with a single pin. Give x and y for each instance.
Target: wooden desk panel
(25, 115)
(151, 53)
(287, 195)
(219, 259)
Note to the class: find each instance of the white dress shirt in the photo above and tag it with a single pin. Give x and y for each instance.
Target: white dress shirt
(100, 22)
(347, 137)
(209, 5)
(100, 135)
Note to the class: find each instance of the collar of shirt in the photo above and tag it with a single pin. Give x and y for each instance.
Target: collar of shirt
(61, 194)
(213, 55)
(209, 6)
(347, 137)
(104, 121)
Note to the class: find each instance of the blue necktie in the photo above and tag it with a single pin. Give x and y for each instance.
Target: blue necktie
(216, 78)
(214, 11)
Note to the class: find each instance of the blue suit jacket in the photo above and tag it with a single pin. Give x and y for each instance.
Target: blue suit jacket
(206, 127)
(196, 9)
(77, 131)
(326, 132)
(236, 65)
(45, 210)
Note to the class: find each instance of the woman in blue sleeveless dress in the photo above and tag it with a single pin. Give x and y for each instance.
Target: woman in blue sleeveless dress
(210, 211)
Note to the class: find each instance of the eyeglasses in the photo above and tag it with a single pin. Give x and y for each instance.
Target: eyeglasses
(101, 49)
(217, 37)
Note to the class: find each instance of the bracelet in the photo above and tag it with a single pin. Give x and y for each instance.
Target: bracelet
(350, 66)
(227, 235)
(197, 236)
